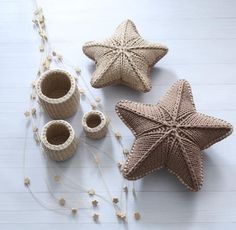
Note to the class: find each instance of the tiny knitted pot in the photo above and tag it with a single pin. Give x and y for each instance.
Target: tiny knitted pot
(94, 124)
(58, 93)
(59, 140)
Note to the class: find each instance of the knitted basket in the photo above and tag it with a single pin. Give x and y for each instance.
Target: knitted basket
(58, 93)
(59, 140)
(94, 124)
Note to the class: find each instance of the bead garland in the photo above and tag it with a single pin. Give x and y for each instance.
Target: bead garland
(49, 57)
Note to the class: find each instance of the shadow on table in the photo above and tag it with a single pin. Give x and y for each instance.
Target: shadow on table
(162, 198)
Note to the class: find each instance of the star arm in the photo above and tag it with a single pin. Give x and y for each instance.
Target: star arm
(140, 117)
(178, 101)
(205, 130)
(149, 52)
(96, 50)
(126, 32)
(106, 71)
(147, 155)
(185, 161)
(137, 73)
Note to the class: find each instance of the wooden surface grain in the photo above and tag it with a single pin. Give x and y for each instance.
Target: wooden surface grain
(201, 36)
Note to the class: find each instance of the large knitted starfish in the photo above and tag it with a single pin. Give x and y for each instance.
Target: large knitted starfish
(170, 134)
(125, 58)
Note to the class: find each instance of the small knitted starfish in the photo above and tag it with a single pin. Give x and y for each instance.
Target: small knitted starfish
(125, 58)
(170, 134)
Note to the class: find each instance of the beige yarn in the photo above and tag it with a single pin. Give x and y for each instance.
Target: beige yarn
(125, 58)
(94, 124)
(58, 93)
(170, 134)
(59, 140)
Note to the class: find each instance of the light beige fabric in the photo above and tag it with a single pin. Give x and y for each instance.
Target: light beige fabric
(125, 58)
(59, 140)
(58, 93)
(170, 134)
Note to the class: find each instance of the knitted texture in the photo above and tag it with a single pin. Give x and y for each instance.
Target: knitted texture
(94, 124)
(170, 134)
(59, 140)
(125, 58)
(58, 93)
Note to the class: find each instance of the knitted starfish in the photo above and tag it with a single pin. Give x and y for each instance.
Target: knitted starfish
(170, 134)
(125, 58)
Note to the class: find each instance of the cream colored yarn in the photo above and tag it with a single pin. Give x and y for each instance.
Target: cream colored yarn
(58, 93)
(94, 124)
(125, 58)
(58, 140)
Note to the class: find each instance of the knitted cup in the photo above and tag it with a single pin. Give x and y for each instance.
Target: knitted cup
(59, 140)
(94, 124)
(58, 93)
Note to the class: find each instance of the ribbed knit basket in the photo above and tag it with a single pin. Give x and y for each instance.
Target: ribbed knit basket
(59, 140)
(94, 124)
(58, 93)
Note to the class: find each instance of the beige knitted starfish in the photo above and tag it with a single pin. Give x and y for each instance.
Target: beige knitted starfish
(125, 58)
(170, 134)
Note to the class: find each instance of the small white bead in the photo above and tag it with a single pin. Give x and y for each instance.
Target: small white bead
(97, 99)
(94, 106)
(137, 215)
(121, 215)
(125, 189)
(74, 210)
(91, 192)
(57, 178)
(41, 48)
(62, 201)
(59, 57)
(78, 70)
(33, 96)
(94, 203)
(27, 113)
(125, 152)
(33, 111)
(35, 129)
(82, 92)
(27, 181)
(95, 217)
(115, 200)
(118, 135)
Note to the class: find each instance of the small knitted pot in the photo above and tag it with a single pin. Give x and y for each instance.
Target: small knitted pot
(94, 124)
(59, 140)
(58, 93)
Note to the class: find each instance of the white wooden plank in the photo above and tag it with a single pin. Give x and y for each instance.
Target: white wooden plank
(108, 226)
(195, 52)
(206, 97)
(12, 157)
(21, 124)
(155, 9)
(217, 178)
(197, 28)
(191, 208)
(199, 74)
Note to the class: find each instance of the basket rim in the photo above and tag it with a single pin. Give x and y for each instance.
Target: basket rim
(96, 128)
(46, 74)
(62, 146)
